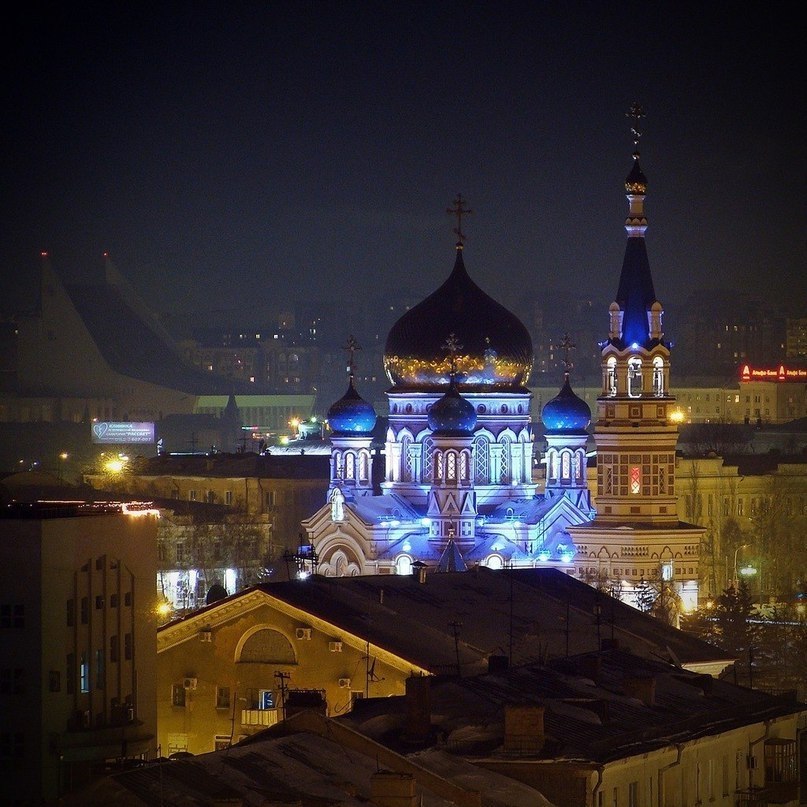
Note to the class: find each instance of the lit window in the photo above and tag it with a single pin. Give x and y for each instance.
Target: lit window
(634, 377)
(635, 479)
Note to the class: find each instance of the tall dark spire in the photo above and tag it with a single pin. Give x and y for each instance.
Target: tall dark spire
(635, 294)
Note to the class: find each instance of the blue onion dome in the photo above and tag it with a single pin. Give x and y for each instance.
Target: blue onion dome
(452, 414)
(566, 412)
(351, 414)
(497, 348)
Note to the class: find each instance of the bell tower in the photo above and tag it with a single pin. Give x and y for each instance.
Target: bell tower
(636, 533)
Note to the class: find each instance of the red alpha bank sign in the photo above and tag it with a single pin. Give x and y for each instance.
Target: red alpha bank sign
(780, 373)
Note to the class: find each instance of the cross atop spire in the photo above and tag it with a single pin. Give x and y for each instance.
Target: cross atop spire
(566, 345)
(453, 346)
(352, 346)
(636, 113)
(459, 211)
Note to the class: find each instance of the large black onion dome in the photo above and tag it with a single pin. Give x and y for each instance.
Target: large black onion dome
(496, 349)
(566, 412)
(452, 414)
(351, 414)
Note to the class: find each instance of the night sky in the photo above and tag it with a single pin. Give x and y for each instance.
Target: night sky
(241, 156)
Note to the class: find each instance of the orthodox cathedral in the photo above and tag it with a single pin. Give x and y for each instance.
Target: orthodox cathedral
(458, 490)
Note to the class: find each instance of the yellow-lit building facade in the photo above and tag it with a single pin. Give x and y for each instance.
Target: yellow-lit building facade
(227, 671)
(78, 644)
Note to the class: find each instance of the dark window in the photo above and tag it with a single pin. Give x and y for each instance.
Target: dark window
(71, 613)
(71, 673)
(12, 615)
(99, 669)
(114, 648)
(99, 602)
(127, 598)
(55, 681)
(12, 681)
(85, 610)
(12, 748)
(177, 694)
(127, 646)
(113, 600)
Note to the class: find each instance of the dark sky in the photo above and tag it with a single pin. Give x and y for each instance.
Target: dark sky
(240, 155)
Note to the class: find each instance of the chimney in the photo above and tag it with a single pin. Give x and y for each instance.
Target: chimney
(391, 789)
(642, 687)
(498, 664)
(418, 709)
(419, 571)
(524, 728)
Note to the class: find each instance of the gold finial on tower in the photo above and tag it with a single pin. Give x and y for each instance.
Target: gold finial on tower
(459, 211)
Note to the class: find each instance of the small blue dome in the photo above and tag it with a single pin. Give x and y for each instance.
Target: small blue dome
(351, 414)
(566, 412)
(452, 414)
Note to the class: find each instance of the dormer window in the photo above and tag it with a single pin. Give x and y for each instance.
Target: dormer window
(634, 377)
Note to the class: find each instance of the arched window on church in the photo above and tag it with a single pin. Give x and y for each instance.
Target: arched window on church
(610, 376)
(658, 376)
(406, 459)
(481, 460)
(634, 377)
(464, 467)
(338, 467)
(403, 565)
(577, 466)
(363, 465)
(350, 466)
(566, 471)
(504, 475)
(438, 466)
(451, 466)
(428, 460)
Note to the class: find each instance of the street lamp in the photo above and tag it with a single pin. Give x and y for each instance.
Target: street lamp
(735, 583)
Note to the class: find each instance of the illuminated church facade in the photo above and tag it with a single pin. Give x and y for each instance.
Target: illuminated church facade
(458, 489)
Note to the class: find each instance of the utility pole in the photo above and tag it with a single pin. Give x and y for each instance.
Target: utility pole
(455, 630)
(282, 677)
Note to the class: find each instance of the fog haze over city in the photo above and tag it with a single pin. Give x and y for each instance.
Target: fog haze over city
(236, 159)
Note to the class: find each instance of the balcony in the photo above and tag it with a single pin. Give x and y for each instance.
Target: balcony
(259, 717)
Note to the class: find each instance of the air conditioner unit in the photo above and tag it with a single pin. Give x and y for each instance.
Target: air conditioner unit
(335, 647)
(303, 633)
(344, 683)
(189, 683)
(206, 635)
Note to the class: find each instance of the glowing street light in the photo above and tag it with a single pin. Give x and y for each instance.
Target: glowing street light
(746, 570)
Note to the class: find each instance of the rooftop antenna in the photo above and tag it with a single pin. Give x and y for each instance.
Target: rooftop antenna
(459, 211)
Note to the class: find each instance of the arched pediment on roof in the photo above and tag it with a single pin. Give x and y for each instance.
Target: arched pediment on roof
(264, 645)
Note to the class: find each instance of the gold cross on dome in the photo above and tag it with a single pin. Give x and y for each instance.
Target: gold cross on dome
(636, 112)
(453, 346)
(352, 346)
(567, 345)
(459, 211)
